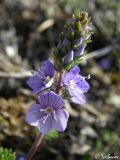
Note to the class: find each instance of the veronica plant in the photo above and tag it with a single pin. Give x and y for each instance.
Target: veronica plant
(60, 80)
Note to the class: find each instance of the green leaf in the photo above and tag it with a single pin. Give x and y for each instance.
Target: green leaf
(76, 61)
(53, 134)
(65, 94)
(7, 154)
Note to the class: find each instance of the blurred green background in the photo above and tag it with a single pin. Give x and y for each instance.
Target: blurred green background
(28, 31)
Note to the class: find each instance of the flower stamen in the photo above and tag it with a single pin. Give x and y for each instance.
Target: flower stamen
(47, 79)
(48, 110)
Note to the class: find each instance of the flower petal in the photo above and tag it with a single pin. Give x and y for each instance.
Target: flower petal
(51, 99)
(36, 84)
(67, 78)
(33, 115)
(46, 126)
(75, 70)
(83, 85)
(43, 100)
(61, 119)
(47, 68)
(78, 99)
(77, 95)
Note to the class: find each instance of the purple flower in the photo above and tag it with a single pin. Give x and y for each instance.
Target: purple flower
(48, 114)
(76, 85)
(43, 78)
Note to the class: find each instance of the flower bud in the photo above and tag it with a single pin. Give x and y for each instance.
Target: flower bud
(79, 51)
(66, 42)
(74, 38)
(68, 57)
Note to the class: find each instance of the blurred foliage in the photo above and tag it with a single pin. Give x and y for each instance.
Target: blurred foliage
(109, 4)
(74, 5)
(6, 154)
(116, 54)
(108, 139)
(106, 17)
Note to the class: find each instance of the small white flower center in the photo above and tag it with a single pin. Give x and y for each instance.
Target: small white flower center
(47, 79)
(48, 110)
(72, 84)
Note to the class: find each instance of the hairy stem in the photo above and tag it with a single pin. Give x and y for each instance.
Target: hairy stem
(35, 147)
(58, 86)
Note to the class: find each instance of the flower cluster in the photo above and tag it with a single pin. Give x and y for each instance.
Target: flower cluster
(50, 113)
(73, 40)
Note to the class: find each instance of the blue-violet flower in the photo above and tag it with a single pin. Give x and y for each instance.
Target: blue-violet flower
(42, 79)
(76, 85)
(48, 114)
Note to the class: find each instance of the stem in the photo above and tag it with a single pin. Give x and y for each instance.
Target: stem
(58, 86)
(35, 147)
(39, 139)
